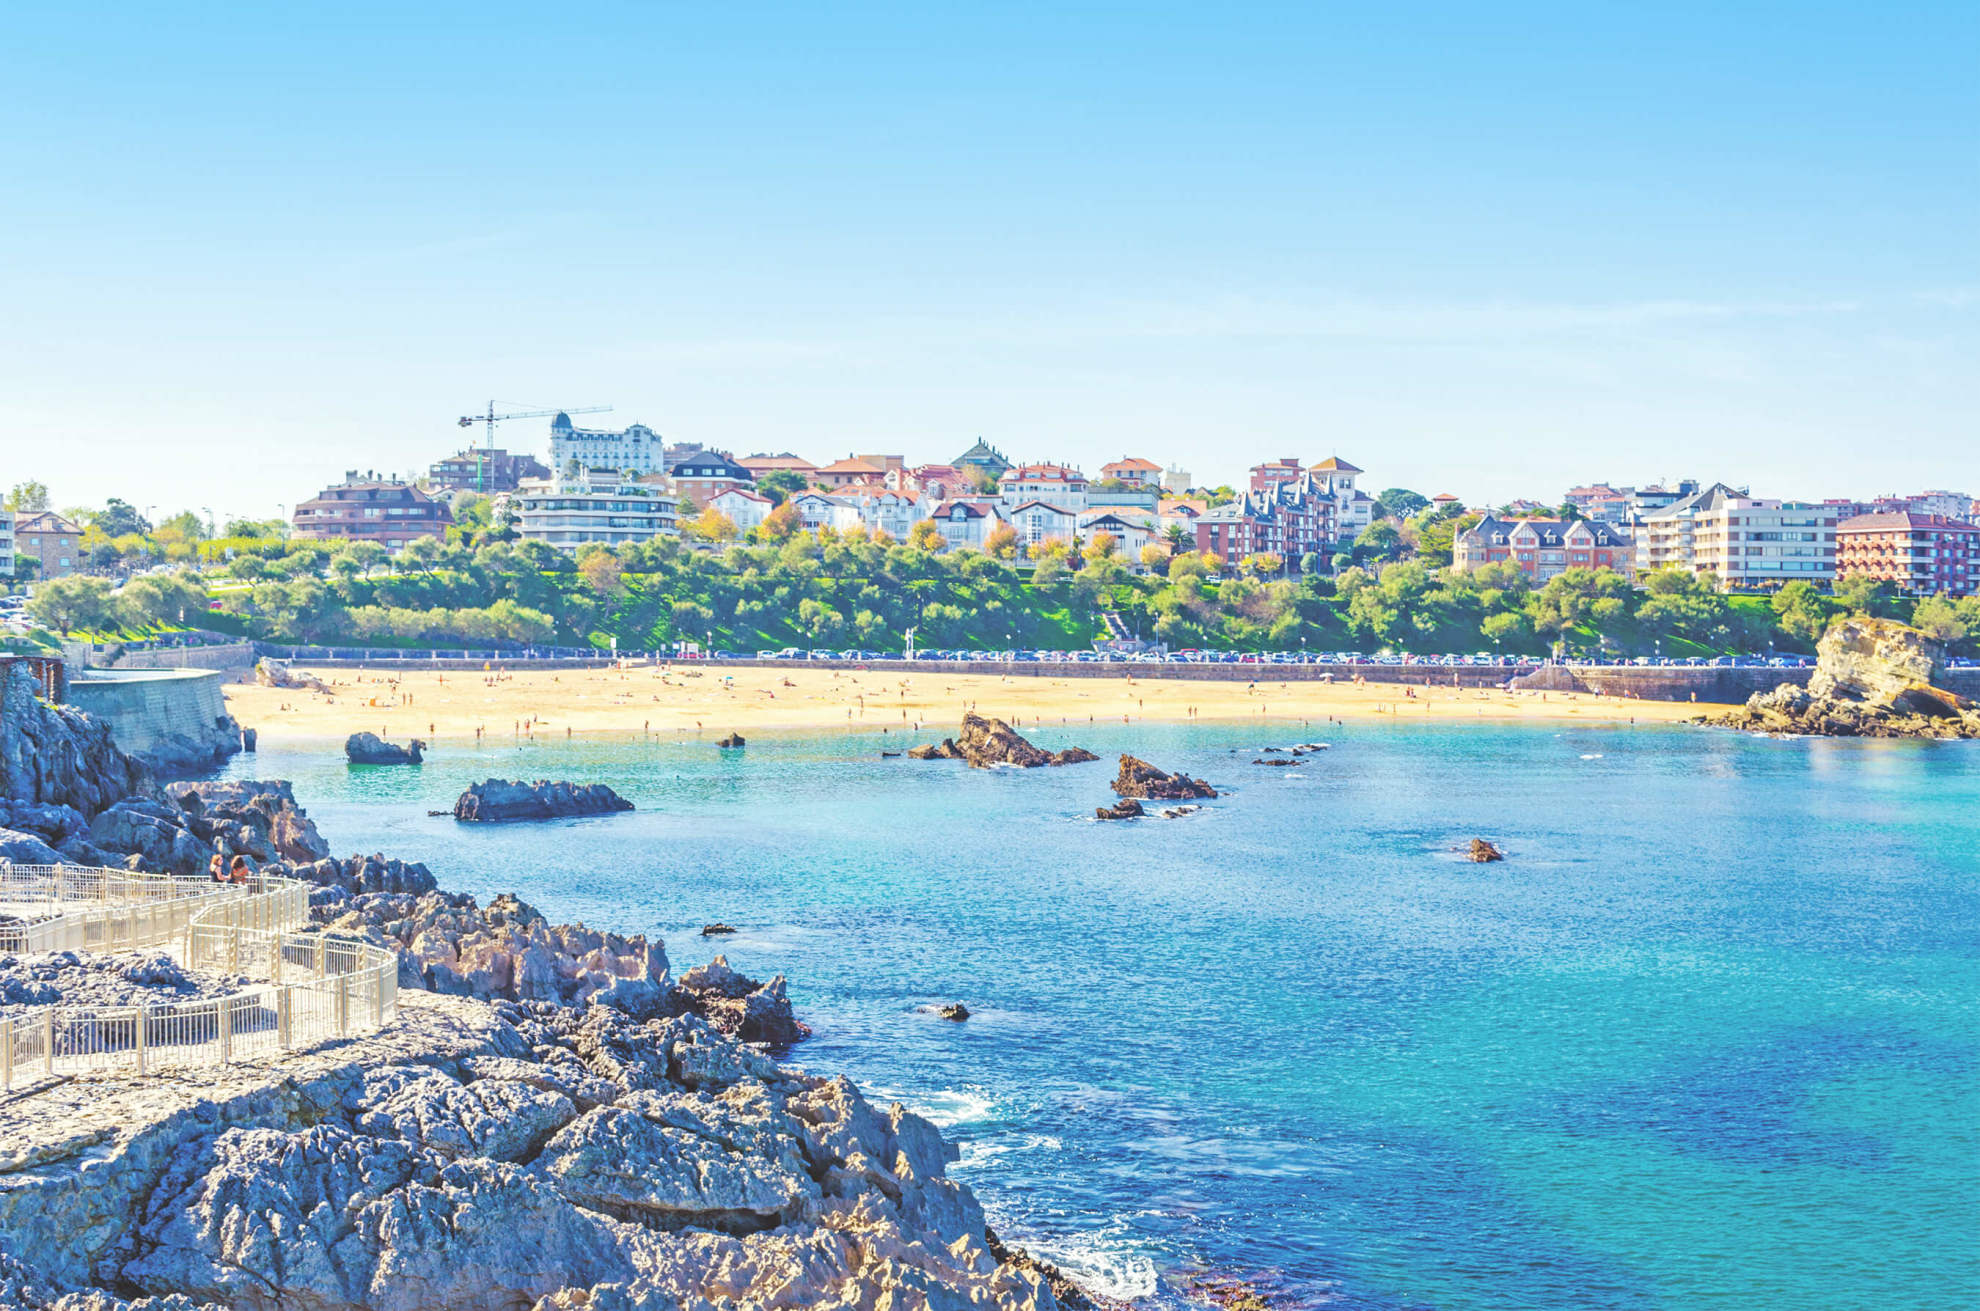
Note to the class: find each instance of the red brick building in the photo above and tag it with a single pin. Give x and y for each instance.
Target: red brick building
(1287, 519)
(372, 509)
(1923, 554)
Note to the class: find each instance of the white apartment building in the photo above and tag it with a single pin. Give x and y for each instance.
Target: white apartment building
(1054, 484)
(745, 509)
(1748, 541)
(638, 448)
(6, 546)
(573, 510)
(819, 510)
(1176, 480)
(1354, 509)
(886, 510)
(1038, 521)
(966, 523)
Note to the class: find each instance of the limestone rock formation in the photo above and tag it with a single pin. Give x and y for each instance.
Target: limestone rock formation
(985, 742)
(258, 818)
(513, 1155)
(1483, 852)
(1138, 778)
(370, 749)
(500, 801)
(1127, 808)
(276, 673)
(1873, 678)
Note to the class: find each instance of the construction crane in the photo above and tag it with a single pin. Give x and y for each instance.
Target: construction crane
(491, 418)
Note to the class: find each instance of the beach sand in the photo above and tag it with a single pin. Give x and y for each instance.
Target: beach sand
(451, 706)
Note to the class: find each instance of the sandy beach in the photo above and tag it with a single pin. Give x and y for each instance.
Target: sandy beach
(458, 705)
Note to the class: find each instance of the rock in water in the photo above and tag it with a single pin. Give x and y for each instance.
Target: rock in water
(371, 749)
(717, 929)
(732, 740)
(1138, 778)
(1483, 852)
(502, 800)
(1127, 809)
(1873, 678)
(985, 742)
(955, 1010)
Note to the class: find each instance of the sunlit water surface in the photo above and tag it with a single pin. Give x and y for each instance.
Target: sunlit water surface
(1706, 1039)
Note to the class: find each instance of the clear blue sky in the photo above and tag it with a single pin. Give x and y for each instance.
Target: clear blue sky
(1486, 249)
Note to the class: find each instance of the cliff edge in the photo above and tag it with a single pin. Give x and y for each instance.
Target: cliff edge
(1873, 678)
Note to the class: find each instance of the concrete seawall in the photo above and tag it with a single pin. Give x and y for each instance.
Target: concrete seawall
(168, 716)
(235, 657)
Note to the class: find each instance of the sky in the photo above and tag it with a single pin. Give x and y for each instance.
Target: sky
(1492, 250)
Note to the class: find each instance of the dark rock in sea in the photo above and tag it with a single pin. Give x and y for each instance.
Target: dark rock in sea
(732, 740)
(1229, 1294)
(1873, 678)
(1138, 778)
(1483, 852)
(889, 755)
(1277, 764)
(985, 742)
(370, 749)
(500, 801)
(1128, 809)
(717, 929)
(954, 1011)
(1177, 812)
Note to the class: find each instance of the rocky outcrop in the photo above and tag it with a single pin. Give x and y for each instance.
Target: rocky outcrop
(1138, 778)
(253, 817)
(1873, 678)
(56, 756)
(502, 801)
(717, 929)
(985, 742)
(371, 749)
(1127, 808)
(275, 673)
(1483, 852)
(72, 978)
(740, 1006)
(955, 1010)
(512, 1155)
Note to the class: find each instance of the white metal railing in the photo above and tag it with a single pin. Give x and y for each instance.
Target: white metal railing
(309, 986)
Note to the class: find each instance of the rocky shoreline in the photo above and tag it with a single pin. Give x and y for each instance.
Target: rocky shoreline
(554, 1123)
(1873, 678)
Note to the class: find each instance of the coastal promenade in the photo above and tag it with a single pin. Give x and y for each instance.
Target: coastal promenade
(265, 988)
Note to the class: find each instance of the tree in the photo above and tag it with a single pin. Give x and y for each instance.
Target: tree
(1937, 618)
(1262, 565)
(27, 568)
(78, 601)
(367, 555)
(1400, 503)
(1381, 540)
(119, 518)
(28, 497)
(252, 568)
(160, 599)
(1177, 536)
(780, 523)
(1002, 544)
(1862, 595)
(711, 526)
(925, 536)
(1802, 612)
(781, 484)
(601, 571)
(1155, 557)
(1101, 547)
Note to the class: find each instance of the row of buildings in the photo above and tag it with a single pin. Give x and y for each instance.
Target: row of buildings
(1749, 543)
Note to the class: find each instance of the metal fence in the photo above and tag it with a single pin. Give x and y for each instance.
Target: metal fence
(307, 987)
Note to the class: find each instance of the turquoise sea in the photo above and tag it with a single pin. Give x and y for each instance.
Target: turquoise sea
(1707, 1039)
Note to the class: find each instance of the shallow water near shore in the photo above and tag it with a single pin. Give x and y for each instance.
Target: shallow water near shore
(1704, 1040)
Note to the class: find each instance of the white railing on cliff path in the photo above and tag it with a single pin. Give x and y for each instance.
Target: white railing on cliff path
(304, 988)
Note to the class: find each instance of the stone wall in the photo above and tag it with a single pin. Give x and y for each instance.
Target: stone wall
(235, 657)
(159, 714)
